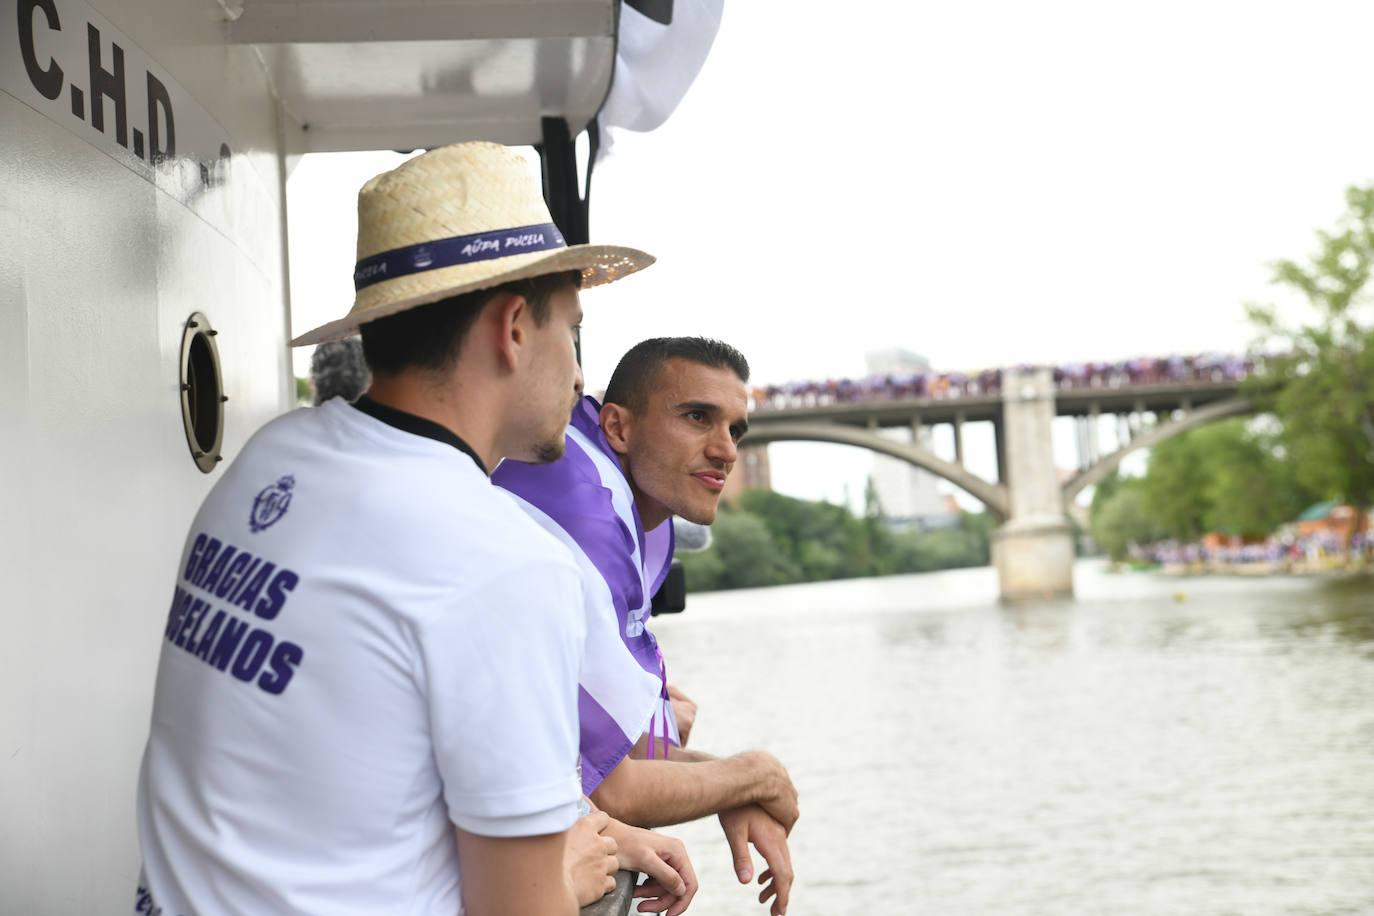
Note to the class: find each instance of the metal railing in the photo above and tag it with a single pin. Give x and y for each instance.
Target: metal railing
(617, 902)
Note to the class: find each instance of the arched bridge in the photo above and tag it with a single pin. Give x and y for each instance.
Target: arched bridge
(1032, 549)
(992, 495)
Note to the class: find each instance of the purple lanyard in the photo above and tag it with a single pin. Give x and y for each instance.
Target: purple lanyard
(663, 694)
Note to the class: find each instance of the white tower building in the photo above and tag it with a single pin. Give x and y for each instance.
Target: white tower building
(907, 494)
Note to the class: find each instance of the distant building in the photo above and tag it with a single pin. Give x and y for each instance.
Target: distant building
(1333, 518)
(907, 495)
(751, 472)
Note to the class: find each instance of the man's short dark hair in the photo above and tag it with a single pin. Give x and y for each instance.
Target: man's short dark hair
(337, 370)
(639, 367)
(428, 337)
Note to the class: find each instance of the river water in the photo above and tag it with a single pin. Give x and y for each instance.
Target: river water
(1158, 745)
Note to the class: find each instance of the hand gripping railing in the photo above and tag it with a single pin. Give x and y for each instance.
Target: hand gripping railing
(617, 902)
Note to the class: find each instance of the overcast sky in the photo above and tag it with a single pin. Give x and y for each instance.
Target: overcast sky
(983, 183)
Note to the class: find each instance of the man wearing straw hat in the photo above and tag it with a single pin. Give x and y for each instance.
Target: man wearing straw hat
(661, 445)
(369, 668)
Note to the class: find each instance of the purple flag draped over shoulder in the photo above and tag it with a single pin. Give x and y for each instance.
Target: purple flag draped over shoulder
(585, 500)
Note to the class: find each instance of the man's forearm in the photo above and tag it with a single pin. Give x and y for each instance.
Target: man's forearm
(640, 751)
(688, 756)
(687, 786)
(514, 876)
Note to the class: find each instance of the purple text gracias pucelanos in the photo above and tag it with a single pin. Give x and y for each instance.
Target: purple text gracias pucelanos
(218, 577)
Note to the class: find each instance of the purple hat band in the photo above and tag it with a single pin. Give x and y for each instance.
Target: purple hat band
(462, 249)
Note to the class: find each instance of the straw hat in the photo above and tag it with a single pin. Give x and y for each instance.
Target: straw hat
(457, 219)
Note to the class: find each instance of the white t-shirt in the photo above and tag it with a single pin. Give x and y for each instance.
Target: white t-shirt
(368, 643)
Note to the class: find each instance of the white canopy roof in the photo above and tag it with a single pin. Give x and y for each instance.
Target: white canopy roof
(407, 74)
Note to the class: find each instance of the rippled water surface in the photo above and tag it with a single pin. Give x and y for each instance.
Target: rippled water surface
(1156, 746)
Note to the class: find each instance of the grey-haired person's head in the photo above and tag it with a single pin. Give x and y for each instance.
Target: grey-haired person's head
(337, 369)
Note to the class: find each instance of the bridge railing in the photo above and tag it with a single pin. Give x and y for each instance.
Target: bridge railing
(1143, 372)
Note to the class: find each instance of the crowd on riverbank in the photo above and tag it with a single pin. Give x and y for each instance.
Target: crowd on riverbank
(1316, 552)
(1168, 370)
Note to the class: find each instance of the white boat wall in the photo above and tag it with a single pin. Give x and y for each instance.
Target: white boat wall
(144, 149)
(105, 259)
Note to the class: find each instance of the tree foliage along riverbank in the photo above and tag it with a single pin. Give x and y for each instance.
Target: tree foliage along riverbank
(1325, 396)
(771, 539)
(1231, 477)
(1249, 477)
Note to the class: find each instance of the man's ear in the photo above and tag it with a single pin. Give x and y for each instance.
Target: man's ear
(616, 422)
(508, 314)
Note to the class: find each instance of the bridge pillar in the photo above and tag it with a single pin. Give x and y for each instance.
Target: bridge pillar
(1094, 430)
(1033, 550)
(999, 439)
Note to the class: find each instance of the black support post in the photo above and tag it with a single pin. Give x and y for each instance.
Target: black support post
(569, 205)
(567, 194)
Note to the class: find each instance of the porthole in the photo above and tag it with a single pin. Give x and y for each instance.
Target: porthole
(202, 392)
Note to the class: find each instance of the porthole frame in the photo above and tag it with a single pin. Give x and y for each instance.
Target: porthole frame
(202, 392)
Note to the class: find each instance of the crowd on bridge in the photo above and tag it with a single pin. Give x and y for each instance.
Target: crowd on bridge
(1169, 370)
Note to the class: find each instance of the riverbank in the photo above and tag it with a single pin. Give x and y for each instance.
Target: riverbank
(1331, 567)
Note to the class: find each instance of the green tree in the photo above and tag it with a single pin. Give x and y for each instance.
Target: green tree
(813, 534)
(820, 562)
(1102, 494)
(964, 544)
(1232, 477)
(873, 506)
(704, 570)
(1119, 519)
(912, 552)
(742, 555)
(1321, 383)
(1254, 487)
(771, 539)
(979, 526)
(1174, 494)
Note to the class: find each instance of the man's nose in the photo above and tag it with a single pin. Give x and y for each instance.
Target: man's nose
(578, 382)
(722, 446)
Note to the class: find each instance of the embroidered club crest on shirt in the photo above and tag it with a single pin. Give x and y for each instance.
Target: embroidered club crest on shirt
(271, 504)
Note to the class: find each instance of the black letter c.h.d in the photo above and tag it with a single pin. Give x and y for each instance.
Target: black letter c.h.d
(160, 145)
(47, 80)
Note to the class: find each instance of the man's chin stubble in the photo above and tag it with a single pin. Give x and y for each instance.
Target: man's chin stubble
(549, 452)
(703, 517)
